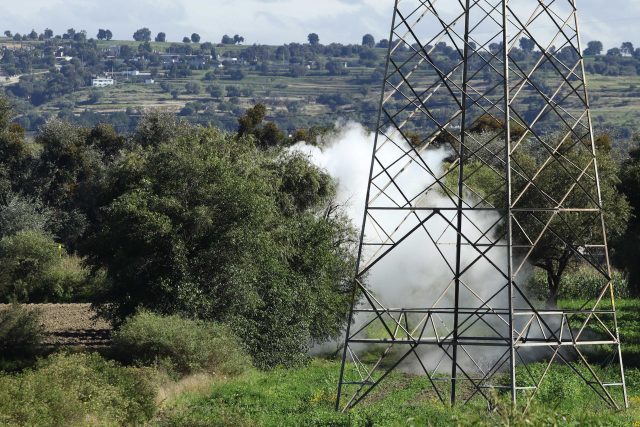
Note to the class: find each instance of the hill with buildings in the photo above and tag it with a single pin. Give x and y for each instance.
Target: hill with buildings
(91, 80)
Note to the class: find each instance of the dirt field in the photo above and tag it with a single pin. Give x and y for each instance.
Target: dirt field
(72, 325)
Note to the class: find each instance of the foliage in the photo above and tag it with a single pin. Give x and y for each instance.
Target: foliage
(554, 180)
(185, 346)
(579, 283)
(142, 35)
(207, 226)
(626, 247)
(77, 390)
(21, 333)
(36, 269)
(20, 213)
(252, 123)
(306, 396)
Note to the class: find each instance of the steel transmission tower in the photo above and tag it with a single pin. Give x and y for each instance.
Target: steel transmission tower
(495, 91)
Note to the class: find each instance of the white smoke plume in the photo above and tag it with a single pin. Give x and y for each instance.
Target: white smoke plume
(414, 274)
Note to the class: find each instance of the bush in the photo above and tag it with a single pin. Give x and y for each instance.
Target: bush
(21, 333)
(78, 389)
(203, 227)
(36, 269)
(186, 346)
(581, 283)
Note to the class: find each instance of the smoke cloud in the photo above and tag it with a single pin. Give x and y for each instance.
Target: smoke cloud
(416, 274)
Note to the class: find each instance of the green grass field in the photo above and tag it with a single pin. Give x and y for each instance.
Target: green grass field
(306, 396)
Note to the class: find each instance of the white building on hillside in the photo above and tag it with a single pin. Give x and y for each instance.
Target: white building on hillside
(102, 82)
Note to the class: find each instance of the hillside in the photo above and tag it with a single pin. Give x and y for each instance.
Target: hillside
(301, 84)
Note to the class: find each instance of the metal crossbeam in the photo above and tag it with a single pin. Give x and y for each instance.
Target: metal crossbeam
(452, 68)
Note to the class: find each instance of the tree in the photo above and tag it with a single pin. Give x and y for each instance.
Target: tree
(64, 175)
(15, 156)
(252, 123)
(109, 34)
(33, 35)
(195, 37)
(368, 41)
(237, 74)
(237, 39)
(102, 34)
(594, 48)
(209, 227)
(336, 68)
(627, 48)
(614, 52)
(193, 88)
(48, 33)
(625, 253)
(527, 44)
(186, 40)
(8, 34)
(142, 35)
(215, 91)
(227, 40)
(553, 252)
(314, 39)
(161, 37)
(80, 36)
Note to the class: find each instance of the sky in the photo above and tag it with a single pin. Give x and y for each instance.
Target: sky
(268, 21)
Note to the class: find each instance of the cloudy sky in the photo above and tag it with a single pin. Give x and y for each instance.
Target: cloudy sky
(266, 21)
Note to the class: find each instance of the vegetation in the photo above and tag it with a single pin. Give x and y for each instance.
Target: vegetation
(180, 345)
(211, 247)
(21, 335)
(51, 77)
(77, 390)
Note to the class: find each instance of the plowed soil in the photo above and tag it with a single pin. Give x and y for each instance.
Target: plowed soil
(72, 325)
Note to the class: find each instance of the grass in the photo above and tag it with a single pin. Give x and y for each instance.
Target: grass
(82, 389)
(306, 396)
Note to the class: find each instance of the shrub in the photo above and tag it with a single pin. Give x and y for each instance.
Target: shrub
(186, 346)
(21, 333)
(78, 389)
(36, 269)
(581, 283)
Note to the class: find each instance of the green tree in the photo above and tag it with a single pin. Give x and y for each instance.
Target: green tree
(142, 35)
(553, 252)
(215, 91)
(195, 37)
(314, 39)
(64, 176)
(252, 123)
(206, 226)
(161, 37)
(627, 48)
(527, 44)
(33, 268)
(15, 155)
(368, 41)
(193, 88)
(186, 40)
(594, 48)
(626, 255)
